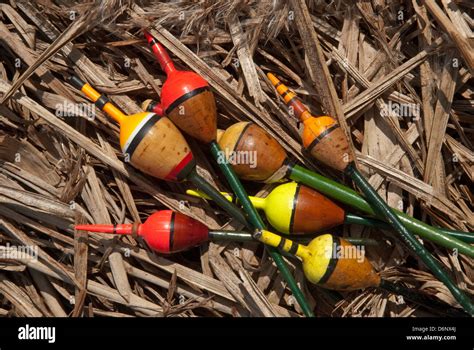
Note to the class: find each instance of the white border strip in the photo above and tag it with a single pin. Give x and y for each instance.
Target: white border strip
(136, 131)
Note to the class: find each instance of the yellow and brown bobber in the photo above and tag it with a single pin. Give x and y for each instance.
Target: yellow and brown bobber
(329, 261)
(334, 263)
(293, 208)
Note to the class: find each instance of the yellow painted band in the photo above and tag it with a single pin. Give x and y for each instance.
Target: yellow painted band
(269, 238)
(114, 112)
(273, 240)
(108, 108)
(279, 206)
(303, 252)
(130, 126)
(90, 92)
(320, 251)
(287, 245)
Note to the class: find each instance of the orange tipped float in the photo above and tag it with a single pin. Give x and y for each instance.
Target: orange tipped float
(152, 143)
(322, 136)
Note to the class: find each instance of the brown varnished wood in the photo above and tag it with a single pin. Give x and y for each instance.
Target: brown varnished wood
(350, 274)
(161, 149)
(314, 212)
(197, 116)
(186, 233)
(333, 150)
(270, 154)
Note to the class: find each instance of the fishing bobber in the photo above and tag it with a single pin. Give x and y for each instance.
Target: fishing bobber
(168, 232)
(152, 143)
(322, 136)
(295, 209)
(328, 261)
(246, 138)
(334, 263)
(185, 98)
(292, 208)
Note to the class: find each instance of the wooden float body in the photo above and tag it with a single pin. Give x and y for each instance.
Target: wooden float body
(248, 137)
(164, 231)
(328, 261)
(186, 98)
(322, 136)
(149, 142)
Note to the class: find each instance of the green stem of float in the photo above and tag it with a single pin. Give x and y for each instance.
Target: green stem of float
(383, 210)
(216, 196)
(257, 223)
(466, 237)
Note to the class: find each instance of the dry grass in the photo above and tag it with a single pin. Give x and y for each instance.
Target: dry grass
(357, 62)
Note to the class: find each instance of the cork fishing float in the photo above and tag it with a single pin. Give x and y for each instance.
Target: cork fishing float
(155, 146)
(187, 100)
(274, 165)
(296, 209)
(325, 140)
(168, 232)
(334, 263)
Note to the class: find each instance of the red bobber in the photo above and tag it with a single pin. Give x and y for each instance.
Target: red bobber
(164, 231)
(186, 98)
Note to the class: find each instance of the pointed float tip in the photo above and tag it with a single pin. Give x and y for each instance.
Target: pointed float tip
(122, 229)
(148, 36)
(273, 79)
(91, 228)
